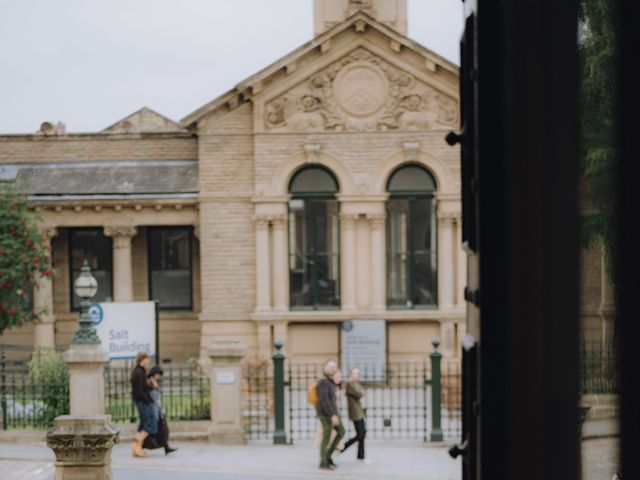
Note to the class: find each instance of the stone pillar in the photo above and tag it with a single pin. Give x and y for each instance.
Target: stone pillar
(263, 275)
(264, 339)
(461, 264)
(122, 265)
(280, 264)
(43, 303)
(82, 446)
(280, 330)
(348, 260)
(363, 265)
(86, 381)
(226, 392)
(446, 260)
(378, 261)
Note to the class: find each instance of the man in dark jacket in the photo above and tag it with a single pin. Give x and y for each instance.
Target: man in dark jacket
(327, 410)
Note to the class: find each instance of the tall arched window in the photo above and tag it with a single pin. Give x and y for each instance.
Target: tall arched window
(314, 263)
(411, 239)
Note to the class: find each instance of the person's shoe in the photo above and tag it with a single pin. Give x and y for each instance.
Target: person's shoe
(168, 450)
(366, 461)
(332, 464)
(327, 466)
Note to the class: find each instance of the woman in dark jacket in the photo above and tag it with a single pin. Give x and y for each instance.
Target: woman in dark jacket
(161, 439)
(140, 390)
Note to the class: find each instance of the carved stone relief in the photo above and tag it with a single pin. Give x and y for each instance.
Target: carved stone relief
(360, 92)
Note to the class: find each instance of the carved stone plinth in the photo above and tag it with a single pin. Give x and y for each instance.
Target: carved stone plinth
(86, 379)
(226, 392)
(82, 445)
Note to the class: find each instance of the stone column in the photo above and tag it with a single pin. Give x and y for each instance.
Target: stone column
(82, 446)
(264, 339)
(280, 330)
(280, 263)
(446, 260)
(263, 275)
(43, 303)
(363, 266)
(226, 392)
(122, 265)
(348, 260)
(461, 264)
(378, 261)
(86, 381)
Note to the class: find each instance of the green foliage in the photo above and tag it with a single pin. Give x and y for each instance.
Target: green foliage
(49, 375)
(598, 54)
(24, 255)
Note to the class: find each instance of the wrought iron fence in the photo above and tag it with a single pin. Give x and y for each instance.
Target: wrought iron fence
(186, 393)
(398, 401)
(34, 387)
(257, 391)
(598, 368)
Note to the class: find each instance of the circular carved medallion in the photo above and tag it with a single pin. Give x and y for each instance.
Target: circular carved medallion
(360, 90)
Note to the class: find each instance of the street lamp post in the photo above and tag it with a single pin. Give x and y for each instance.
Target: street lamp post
(85, 287)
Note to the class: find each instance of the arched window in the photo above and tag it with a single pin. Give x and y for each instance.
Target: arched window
(411, 239)
(314, 263)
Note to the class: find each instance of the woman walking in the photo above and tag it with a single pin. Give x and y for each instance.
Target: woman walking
(140, 392)
(355, 392)
(161, 439)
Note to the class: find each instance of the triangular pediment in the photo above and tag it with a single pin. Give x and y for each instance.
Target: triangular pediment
(144, 120)
(360, 91)
(321, 51)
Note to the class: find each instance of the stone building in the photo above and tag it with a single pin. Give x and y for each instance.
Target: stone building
(316, 191)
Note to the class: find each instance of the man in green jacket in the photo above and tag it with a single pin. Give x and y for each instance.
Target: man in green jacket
(355, 392)
(327, 410)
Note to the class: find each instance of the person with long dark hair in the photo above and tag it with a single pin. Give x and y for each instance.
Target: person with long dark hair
(161, 439)
(140, 392)
(355, 393)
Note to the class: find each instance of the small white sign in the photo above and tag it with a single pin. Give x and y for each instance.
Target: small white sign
(125, 328)
(225, 378)
(364, 346)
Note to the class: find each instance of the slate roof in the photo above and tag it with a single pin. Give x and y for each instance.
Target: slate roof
(104, 178)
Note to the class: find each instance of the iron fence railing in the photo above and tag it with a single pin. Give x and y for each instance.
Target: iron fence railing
(257, 393)
(599, 371)
(34, 387)
(186, 393)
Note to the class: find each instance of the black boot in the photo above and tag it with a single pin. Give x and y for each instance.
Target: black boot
(168, 450)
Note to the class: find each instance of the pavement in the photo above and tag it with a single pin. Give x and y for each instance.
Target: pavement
(24, 456)
(196, 461)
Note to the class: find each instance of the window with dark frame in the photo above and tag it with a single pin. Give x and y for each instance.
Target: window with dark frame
(92, 245)
(314, 253)
(411, 239)
(170, 267)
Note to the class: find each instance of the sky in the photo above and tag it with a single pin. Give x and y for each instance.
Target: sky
(89, 63)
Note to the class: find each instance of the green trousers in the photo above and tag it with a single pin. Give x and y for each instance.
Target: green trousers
(327, 450)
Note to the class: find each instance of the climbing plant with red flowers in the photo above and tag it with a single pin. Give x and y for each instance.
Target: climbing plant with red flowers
(24, 256)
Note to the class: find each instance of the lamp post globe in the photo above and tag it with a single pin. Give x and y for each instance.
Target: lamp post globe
(85, 287)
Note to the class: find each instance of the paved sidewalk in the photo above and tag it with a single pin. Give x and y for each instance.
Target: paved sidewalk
(196, 461)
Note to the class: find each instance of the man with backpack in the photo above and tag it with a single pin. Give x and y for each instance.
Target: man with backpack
(327, 410)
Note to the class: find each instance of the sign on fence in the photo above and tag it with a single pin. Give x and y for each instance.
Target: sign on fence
(125, 328)
(364, 346)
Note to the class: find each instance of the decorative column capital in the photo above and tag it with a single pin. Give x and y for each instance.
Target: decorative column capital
(120, 231)
(349, 219)
(261, 221)
(377, 219)
(279, 220)
(448, 217)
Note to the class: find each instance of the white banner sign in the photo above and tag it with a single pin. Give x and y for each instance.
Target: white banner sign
(364, 346)
(125, 328)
